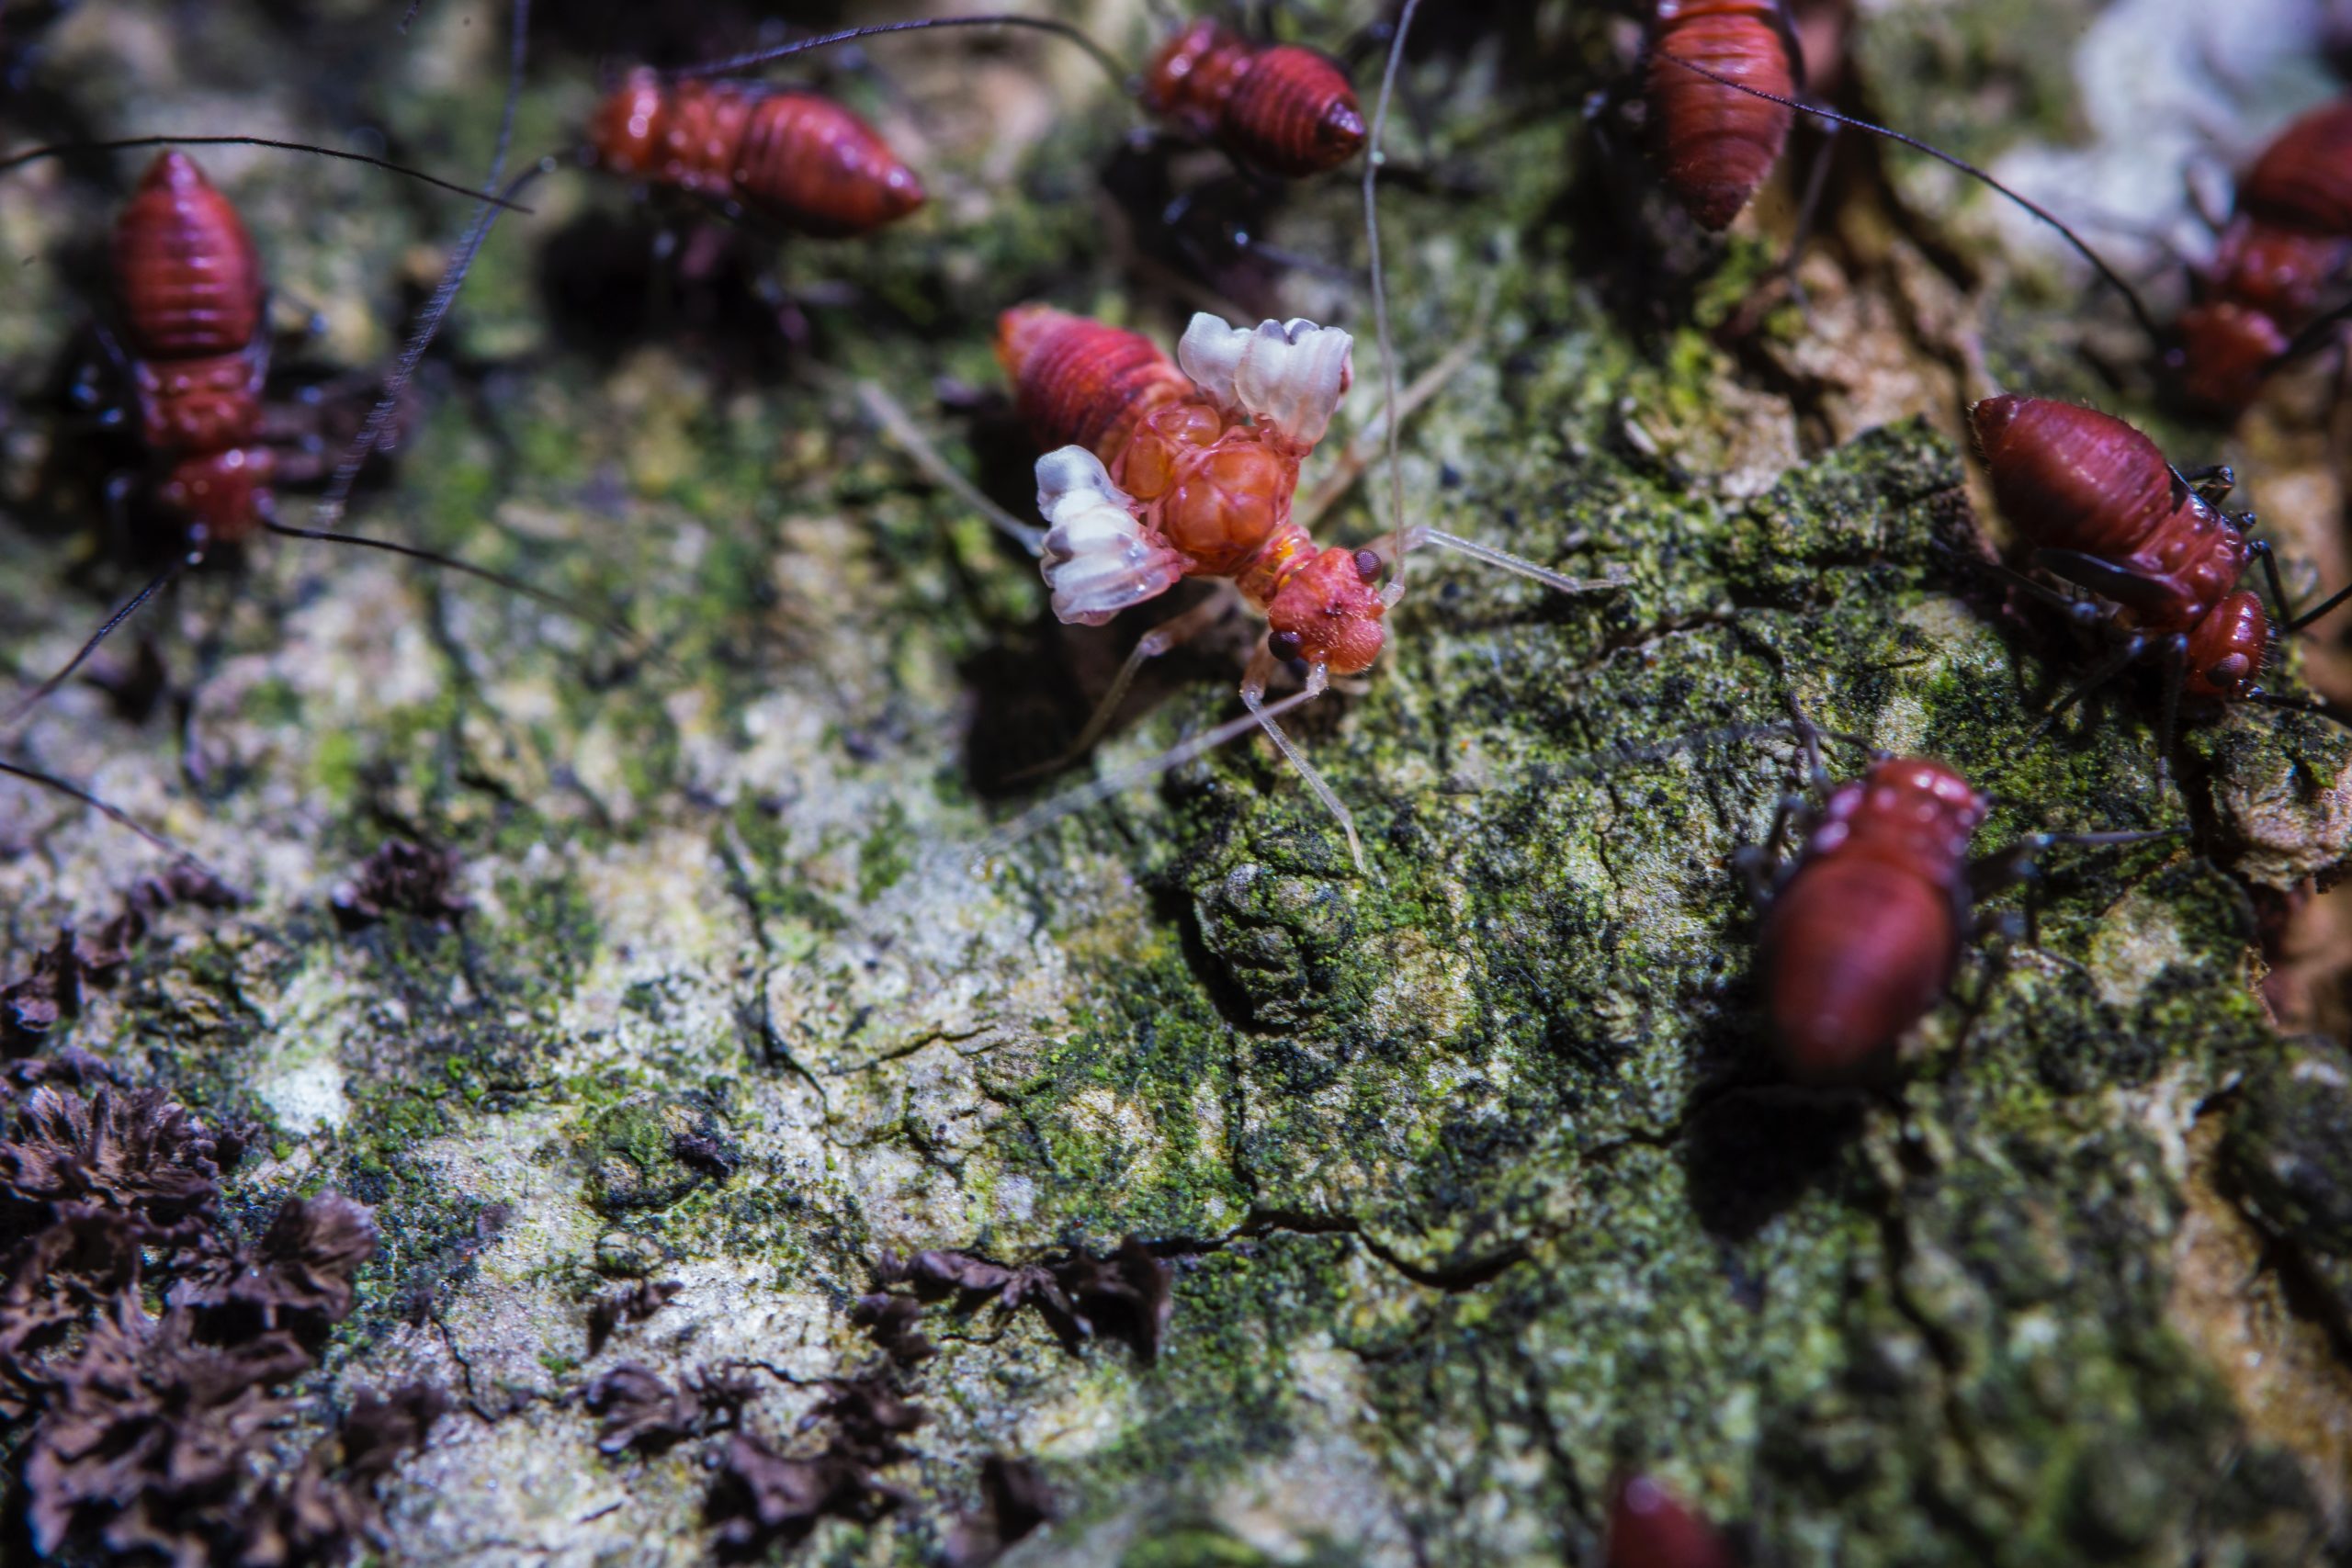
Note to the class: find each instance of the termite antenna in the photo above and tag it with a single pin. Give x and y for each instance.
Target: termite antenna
(742, 64)
(1052, 811)
(112, 812)
(60, 149)
(1372, 161)
(2130, 295)
(42, 693)
(429, 323)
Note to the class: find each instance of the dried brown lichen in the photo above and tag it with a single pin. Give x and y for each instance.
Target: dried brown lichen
(764, 1497)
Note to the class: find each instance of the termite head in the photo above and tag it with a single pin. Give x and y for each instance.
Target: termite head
(2226, 649)
(1328, 612)
(225, 493)
(2225, 352)
(622, 131)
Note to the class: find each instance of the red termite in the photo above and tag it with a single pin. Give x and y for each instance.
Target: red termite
(1157, 473)
(1280, 108)
(797, 159)
(1717, 147)
(189, 295)
(1277, 107)
(1863, 929)
(2096, 505)
(189, 292)
(2288, 239)
(1649, 1528)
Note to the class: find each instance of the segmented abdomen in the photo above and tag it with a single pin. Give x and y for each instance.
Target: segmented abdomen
(186, 272)
(1863, 938)
(2075, 480)
(1716, 146)
(1285, 109)
(1081, 383)
(801, 160)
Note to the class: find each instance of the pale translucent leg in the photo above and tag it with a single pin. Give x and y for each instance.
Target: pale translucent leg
(1253, 697)
(1519, 564)
(1170, 634)
(1079, 799)
(901, 427)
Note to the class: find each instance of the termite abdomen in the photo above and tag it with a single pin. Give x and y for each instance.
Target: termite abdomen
(1283, 109)
(1081, 383)
(800, 160)
(1865, 935)
(1716, 146)
(189, 279)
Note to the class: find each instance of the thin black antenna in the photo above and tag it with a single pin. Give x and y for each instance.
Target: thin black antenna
(111, 813)
(2131, 298)
(60, 149)
(429, 323)
(40, 693)
(738, 65)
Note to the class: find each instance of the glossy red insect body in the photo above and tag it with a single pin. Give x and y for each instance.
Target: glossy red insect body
(2289, 238)
(1716, 145)
(1280, 108)
(1650, 1529)
(189, 289)
(1865, 933)
(2100, 507)
(1211, 478)
(800, 160)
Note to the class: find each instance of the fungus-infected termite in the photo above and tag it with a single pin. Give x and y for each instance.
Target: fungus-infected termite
(2096, 506)
(1157, 473)
(1863, 929)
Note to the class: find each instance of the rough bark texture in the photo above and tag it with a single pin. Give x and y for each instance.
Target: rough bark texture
(1468, 1178)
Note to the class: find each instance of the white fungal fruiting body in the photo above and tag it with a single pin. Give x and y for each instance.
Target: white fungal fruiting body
(1289, 375)
(1099, 555)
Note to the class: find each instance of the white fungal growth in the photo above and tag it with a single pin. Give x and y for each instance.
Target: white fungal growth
(1290, 374)
(1099, 558)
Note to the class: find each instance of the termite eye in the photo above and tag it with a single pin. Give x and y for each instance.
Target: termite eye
(1368, 564)
(1284, 646)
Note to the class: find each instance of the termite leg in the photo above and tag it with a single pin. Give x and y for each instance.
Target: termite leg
(2259, 549)
(2211, 482)
(2126, 652)
(2175, 655)
(1170, 634)
(1816, 181)
(1253, 697)
(2021, 861)
(40, 693)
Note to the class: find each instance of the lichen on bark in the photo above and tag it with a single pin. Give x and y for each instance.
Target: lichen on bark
(1470, 1175)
